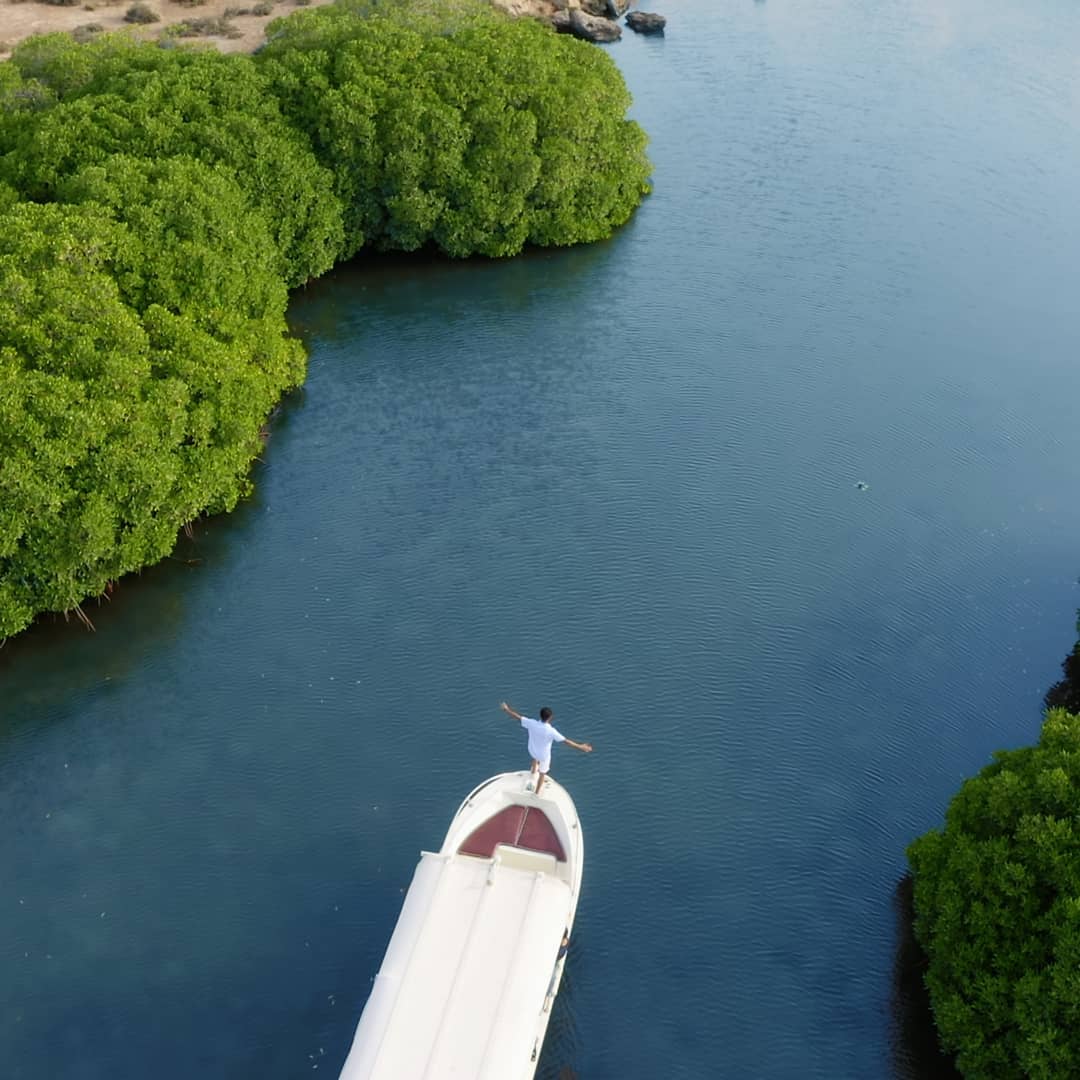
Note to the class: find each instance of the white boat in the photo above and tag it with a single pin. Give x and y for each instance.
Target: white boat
(474, 963)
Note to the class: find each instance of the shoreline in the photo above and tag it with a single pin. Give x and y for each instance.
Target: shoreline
(243, 22)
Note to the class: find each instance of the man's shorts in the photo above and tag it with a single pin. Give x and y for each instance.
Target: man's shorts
(544, 765)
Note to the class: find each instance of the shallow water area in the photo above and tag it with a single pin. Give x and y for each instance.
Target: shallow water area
(623, 481)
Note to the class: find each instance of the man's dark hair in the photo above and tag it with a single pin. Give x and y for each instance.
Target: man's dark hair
(545, 714)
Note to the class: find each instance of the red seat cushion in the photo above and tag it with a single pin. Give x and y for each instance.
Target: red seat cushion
(519, 826)
(538, 834)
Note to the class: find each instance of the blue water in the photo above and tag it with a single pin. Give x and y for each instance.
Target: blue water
(620, 481)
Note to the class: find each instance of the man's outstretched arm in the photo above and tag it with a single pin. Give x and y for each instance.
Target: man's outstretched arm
(584, 747)
(510, 712)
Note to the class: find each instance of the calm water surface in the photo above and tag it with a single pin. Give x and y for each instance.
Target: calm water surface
(620, 481)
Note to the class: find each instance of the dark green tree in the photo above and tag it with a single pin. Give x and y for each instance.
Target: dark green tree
(1066, 693)
(997, 903)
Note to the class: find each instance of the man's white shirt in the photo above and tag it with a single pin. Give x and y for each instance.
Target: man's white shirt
(541, 736)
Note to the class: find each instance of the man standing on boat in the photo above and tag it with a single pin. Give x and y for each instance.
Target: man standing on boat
(541, 735)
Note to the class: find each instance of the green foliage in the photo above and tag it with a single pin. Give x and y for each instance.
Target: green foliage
(56, 61)
(195, 243)
(155, 204)
(997, 901)
(463, 128)
(68, 71)
(116, 427)
(439, 123)
(142, 101)
(20, 98)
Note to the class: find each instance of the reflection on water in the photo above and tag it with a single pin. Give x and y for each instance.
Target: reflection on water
(456, 287)
(142, 614)
(916, 1052)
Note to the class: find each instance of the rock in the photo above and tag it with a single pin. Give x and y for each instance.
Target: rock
(592, 28)
(645, 22)
(605, 9)
(586, 27)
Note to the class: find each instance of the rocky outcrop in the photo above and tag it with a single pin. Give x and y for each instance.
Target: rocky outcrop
(587, 27)
(645, 22)
(604, 9)
(590, 20)
(537, 9)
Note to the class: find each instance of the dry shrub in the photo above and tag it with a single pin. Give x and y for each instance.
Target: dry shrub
(206, 26)
(87, 32)
(141, 13)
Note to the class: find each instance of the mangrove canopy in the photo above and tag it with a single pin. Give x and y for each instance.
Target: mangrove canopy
(157, 203)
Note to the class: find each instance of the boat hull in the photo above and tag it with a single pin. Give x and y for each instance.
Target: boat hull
(475, 960)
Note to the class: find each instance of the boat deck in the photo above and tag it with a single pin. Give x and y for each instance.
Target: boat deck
(526, 827)
(475, 949)
(465, 987)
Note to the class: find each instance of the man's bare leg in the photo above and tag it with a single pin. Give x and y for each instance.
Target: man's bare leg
(533, 769)
(540, 778)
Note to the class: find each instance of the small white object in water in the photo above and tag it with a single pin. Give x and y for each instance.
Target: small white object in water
(862, 485)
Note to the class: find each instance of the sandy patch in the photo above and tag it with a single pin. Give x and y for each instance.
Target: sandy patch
(20, 19)
(541, 8)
